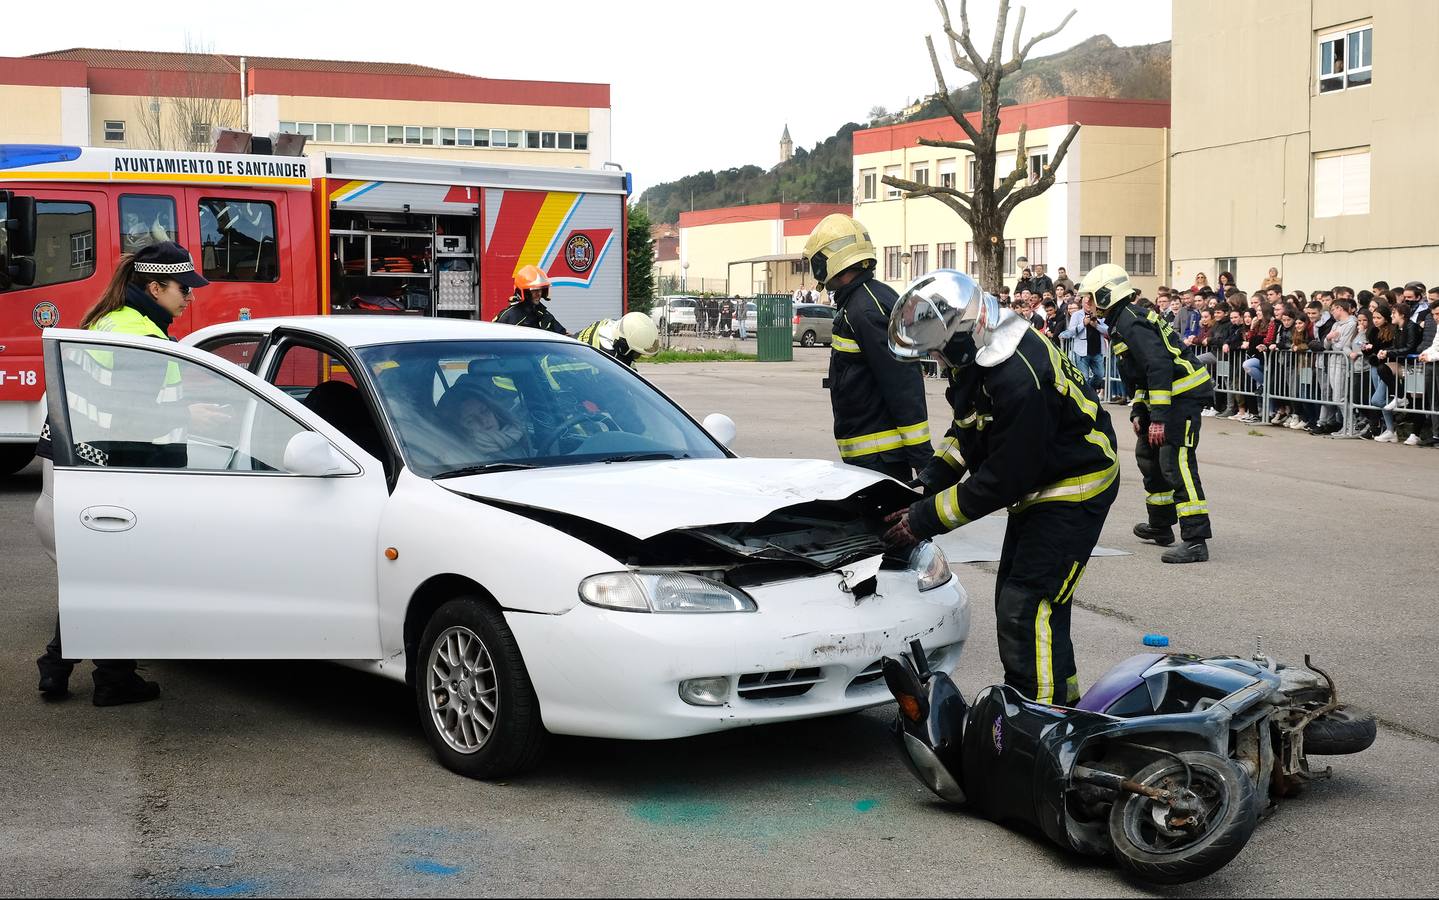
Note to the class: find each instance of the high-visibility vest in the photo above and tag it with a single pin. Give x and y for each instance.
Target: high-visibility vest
(94, 397)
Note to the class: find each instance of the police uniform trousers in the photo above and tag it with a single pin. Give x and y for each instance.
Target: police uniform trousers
(1173, 491)
(1046, 549)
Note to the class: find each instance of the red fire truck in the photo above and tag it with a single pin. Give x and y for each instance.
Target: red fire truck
(290, 235)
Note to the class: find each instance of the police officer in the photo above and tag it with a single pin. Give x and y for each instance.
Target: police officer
(1032, 437)
(149, 290)
(881, 421)
(633, 336)
(527, 308)
(1170, 390)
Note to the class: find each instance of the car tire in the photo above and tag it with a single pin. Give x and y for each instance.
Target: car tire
(808, 339)
(14, 457)
(490, 677)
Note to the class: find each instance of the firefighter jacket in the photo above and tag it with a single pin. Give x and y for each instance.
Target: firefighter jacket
(530, 315)
(880, 414)
(591, 335)
(1157, 369)
(1027, 430)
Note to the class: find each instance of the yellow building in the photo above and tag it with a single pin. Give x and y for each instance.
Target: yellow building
(1289, 152)
(1107, 203)
(146, 100)
(748, 250)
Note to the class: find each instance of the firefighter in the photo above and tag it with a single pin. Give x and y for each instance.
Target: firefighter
(527, 308)
(1170, 390)
(880, 418)
(1032, 438)
(633, 336)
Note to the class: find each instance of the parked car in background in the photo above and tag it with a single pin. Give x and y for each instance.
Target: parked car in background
(674, 314)
(751, 318)
(813, 324)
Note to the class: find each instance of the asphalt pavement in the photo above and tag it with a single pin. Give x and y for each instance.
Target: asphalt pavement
(261, 779)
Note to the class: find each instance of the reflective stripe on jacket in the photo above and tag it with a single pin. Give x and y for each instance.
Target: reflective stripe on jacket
(1155, 366)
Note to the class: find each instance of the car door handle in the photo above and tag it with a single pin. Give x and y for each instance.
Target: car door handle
(107, 518)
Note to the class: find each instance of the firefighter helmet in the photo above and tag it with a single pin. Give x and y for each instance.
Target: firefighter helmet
(1109, 284)
(639, 333)
(945, 312)
(837, 243)
(531, 278)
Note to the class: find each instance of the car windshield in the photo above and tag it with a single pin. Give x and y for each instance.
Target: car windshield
(463, 407)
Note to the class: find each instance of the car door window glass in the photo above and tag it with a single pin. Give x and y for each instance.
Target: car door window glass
(138, 408)
(146, 219)
(64, 242)
(325, 385)
(240, 351)
(237, 240)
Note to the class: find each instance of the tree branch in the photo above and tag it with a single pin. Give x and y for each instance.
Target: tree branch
(975, 61)
(1018, 30)
(1021, 168)
(1014, 64)
(951, 145)
(1044, 183)
(944, 93)
(948, 196)
(996, 52)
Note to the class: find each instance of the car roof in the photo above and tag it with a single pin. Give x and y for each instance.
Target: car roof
(369, 330)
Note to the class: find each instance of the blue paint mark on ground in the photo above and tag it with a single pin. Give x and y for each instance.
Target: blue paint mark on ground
(865, 806)
(430, 867)
(234, 889)
(677, 812)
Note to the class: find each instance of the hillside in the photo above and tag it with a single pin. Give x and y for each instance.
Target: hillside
(1095, 68)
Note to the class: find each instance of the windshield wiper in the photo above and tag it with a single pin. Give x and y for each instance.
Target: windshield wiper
(483, 468)
(639, 457)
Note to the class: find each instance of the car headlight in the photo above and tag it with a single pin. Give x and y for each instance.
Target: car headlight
(929, 564)
(663, 592)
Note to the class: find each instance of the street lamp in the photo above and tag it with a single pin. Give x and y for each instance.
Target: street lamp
(904, 262)
(684, 276)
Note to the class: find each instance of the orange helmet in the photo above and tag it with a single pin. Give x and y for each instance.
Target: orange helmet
(530, 278)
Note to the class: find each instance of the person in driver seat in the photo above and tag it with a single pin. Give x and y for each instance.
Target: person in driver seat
(483, 423)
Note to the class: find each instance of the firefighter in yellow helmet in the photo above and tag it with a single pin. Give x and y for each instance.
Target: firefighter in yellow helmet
(881, 421)
(633, 336)
(527, 308)
(1170, 389)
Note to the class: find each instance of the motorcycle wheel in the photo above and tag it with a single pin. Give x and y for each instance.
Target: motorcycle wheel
(1344, 730)
(1147, 847)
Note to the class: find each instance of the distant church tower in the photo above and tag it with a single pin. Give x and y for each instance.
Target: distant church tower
(786, 146)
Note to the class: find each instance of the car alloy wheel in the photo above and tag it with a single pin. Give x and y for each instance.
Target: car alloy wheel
(464, 694)
(808, 339)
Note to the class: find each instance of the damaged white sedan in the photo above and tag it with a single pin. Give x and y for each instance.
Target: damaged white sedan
(528, 533)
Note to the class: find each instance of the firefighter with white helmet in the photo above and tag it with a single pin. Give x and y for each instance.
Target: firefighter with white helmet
(632, 336)
(1031, 436)
(881, 421)
(1170, 390)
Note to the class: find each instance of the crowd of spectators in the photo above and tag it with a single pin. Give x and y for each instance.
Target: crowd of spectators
(1307, 353)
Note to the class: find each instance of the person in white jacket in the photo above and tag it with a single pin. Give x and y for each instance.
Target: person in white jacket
(1340, 339)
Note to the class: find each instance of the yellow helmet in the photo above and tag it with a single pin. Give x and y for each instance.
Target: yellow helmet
(1109, 284)
(837, 243)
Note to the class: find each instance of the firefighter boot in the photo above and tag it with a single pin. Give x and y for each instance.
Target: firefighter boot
(1187, 552)
(129, 690)
(1163, 535)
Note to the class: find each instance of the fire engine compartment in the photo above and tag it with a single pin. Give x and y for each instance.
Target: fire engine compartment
(402, 263)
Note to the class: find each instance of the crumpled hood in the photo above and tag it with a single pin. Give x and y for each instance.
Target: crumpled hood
(643, 499)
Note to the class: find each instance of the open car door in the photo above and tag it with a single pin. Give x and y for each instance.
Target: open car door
(201, 513)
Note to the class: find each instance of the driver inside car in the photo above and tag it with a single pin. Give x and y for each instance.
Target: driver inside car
(484, 424)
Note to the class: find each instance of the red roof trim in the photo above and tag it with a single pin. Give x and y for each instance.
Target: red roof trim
(41, 72)
(294, 83)
(1044, 114)
(761, 212)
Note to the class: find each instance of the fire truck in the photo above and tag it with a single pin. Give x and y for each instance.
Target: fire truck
(327, 233)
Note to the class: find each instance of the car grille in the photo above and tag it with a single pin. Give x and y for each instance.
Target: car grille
(779, 684)
(875, 670)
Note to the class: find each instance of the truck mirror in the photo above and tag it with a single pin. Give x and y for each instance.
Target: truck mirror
(16, 273)
(20, 226)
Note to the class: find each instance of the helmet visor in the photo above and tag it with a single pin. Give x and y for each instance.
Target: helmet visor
(934, 308)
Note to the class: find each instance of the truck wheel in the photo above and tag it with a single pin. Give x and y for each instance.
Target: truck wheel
(1146, 844)
(14, 457)
(477, 706)
(1344, 730)
(807, 339)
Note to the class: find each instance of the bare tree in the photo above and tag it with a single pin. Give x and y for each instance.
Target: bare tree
(986, 209)
(179, 114)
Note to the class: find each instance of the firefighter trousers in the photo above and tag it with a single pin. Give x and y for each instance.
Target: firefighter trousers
(1172, 489)
(1046, 549)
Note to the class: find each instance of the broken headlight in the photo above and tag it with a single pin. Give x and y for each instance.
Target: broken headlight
(929, 564)
(663, 592)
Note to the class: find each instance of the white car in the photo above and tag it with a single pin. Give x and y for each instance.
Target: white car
(525, 531)
(675, 314)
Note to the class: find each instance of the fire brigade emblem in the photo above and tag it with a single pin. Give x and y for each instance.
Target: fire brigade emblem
(45, 315)
(579, 253)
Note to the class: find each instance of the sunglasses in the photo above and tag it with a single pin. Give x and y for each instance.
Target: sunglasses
(184, 289)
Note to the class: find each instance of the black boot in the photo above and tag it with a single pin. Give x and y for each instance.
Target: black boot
(1163, 535)
(1187, 552)
(131, 690)
(54, 685)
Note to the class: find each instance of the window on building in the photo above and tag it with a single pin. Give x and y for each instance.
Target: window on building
(237, 240)
(1004, 164)
(549, 140)
(918, 259)
(582, 141)
(1093, 251)
(342, 134)
(946, 255)
(869, 182)
(797, 267)
(567, 140)
(145, 219)
(412, 134)
(429, 136)
(919, 173)
(114, 131)
(1038, 162)
(465, 137)
(1139, 256)
(1346, 59)
(891, 192)
(892, 266)
(946, 173)
(1341, 184)
(360, 134)
(200, 134)
(972, 178)
(1228, 264)
(971, 254)
(1037, 250)
(394, 134)
(64, 242)
(1009, 256)
(532, 140)
(288, 128)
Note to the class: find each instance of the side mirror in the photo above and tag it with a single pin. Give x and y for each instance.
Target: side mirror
(20, 227)
(721, 427)
(309, 453)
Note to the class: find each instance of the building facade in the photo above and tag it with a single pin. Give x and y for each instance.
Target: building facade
(147, 100)
(748, 250)
(1303, 134)
(1107, 203)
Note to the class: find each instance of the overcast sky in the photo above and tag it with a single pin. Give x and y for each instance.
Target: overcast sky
(693, 86)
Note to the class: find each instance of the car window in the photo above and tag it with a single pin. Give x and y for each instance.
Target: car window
(145, 219)
(237, 240)
(460, 404)
(64, 243)
(138, 408)
(237, 349)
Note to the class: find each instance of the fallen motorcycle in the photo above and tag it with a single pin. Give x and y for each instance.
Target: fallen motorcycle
(1167, 763)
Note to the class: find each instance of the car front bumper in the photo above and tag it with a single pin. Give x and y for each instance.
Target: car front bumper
(604, 673)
